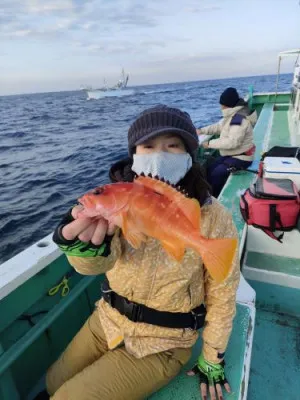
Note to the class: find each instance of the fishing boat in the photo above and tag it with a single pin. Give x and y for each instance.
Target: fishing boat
(119, 89)
(44, 302)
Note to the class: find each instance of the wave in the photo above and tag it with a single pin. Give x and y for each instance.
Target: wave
(85, 127)
(157, 91)
(16, 134)
(5, 165)
(44, 117)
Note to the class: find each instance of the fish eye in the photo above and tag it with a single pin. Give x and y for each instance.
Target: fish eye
(98, 191)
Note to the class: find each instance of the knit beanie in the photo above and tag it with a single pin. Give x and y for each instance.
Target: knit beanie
(159, 120)
(229, 97)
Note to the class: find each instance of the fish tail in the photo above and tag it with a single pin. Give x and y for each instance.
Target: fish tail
(217, 255)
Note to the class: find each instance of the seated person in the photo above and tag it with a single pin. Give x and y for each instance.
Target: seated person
(235, 142)
(120, 353)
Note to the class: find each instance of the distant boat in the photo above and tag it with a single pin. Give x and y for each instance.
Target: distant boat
(119, 89)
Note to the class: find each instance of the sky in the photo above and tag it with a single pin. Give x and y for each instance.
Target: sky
(54, 45)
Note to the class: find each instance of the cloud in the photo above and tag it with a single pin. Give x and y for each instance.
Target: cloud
(40, 18)
(35, 18)
(203, 9)
(50, 18)
(117, 46)
(44, 6)
(109, 47)
(117, 13)
(20, 33)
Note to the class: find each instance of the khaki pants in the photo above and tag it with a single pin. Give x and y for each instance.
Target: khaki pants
(87, 370)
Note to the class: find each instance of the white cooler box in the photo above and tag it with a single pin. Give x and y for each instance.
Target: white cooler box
(282, 168)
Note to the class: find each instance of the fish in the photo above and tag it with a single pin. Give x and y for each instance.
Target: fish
(150, 207)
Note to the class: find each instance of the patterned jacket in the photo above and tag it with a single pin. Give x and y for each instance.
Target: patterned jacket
(149, 276)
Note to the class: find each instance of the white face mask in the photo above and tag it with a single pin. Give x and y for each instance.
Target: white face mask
(170, 166)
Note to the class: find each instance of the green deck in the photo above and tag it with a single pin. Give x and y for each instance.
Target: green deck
(280, 134)
(276, 345)
(275, 365)
(286, 265)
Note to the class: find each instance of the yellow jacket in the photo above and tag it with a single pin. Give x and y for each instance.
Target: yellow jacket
(149, 276)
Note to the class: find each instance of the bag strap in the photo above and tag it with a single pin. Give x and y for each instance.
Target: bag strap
(274, 217)
(272, 235)
(245, 205)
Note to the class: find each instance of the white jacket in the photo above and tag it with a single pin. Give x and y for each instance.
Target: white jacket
(235, 139)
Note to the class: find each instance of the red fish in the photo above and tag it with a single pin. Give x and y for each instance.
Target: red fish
(151, 208)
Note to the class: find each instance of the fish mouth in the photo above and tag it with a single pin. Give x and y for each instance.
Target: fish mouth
(87, 202)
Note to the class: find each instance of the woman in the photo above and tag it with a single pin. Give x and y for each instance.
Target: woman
(235, 142)
(114, 356)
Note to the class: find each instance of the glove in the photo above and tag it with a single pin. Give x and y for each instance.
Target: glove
(81, 249)
(76, 247)
(210, 373)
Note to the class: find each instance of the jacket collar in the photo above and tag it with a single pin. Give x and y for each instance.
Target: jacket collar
(230, 112)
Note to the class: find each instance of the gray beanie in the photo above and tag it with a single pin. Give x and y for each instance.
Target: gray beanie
(163, 119)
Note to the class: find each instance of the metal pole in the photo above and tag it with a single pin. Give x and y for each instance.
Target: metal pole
(277, 80)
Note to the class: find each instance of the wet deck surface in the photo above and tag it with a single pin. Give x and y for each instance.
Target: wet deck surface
(275, 365)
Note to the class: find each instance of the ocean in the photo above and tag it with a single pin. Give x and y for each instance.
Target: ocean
(56, 146)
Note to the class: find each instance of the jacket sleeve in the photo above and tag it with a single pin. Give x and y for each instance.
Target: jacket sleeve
(220, 298)
(99, 264)
(233, 140)
(214, 129)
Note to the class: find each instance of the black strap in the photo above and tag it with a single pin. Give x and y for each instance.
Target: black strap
(272, 234)
(140, 313)
(245, 210)
(274, 217)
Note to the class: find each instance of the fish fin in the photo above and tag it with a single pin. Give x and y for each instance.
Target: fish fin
(174, 249)
(159, 186)
(217, 256)
(189, 207)
(135, 238)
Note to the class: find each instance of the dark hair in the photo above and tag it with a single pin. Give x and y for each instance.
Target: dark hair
(193, 182)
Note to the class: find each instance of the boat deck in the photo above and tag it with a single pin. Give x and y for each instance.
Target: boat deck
(185, 387)
(273, 271)
(275, 364)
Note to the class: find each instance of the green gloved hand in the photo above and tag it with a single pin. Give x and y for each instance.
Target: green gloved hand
(212, 375)
(76, 247)
(80, 249)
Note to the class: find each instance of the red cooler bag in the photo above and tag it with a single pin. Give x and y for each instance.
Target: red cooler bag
(271, 204)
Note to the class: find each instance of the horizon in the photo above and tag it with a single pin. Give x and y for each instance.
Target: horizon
(52, 44)
(154, 84)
